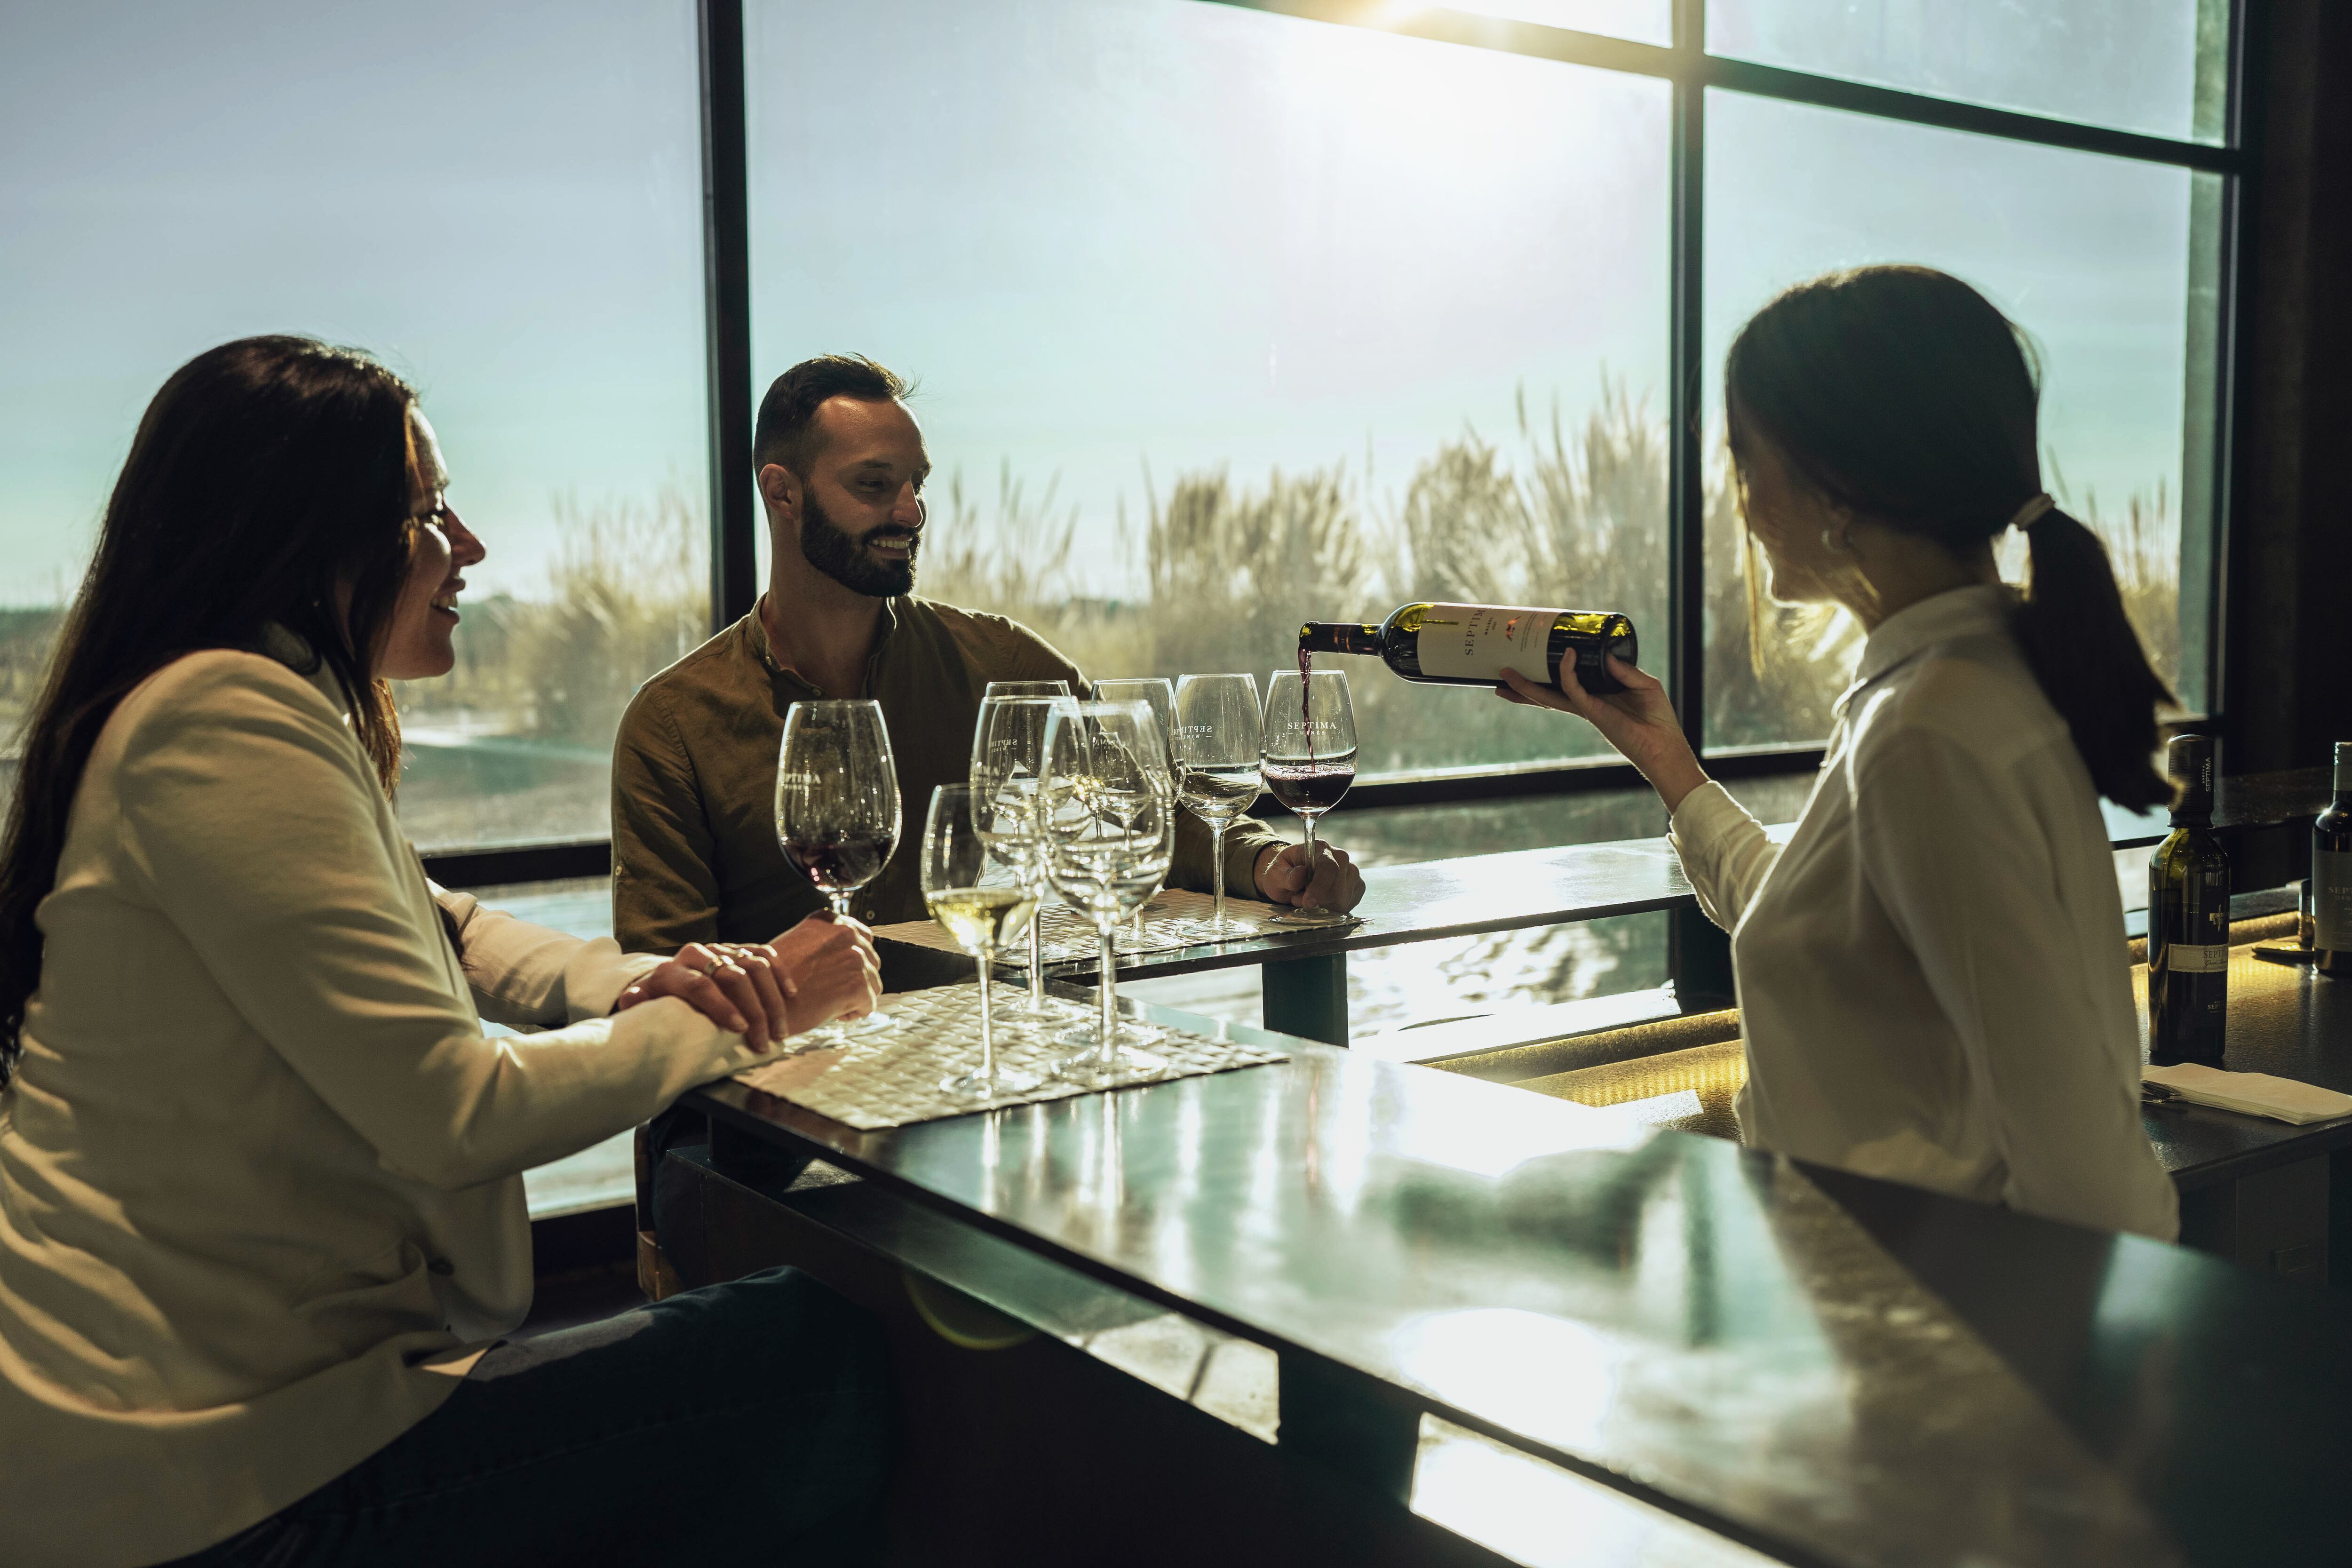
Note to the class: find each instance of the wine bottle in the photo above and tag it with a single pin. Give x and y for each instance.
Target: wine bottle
(1472, 644)
(2189, 919)
(2331, 876)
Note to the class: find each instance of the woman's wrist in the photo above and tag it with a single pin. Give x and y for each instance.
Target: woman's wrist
(1675, 776)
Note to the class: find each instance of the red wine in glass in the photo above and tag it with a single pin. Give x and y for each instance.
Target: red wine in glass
(1310, 757)
(1311, 787)
(840, 862)
(838, 803)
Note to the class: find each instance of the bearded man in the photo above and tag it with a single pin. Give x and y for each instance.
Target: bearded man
(841, 467)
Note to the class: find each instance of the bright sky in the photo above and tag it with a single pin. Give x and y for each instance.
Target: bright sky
(503, 200)
(1104, 233)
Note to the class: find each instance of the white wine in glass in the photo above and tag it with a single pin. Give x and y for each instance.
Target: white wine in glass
(980, 904)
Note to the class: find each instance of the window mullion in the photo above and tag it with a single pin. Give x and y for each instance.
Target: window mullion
(727, 284)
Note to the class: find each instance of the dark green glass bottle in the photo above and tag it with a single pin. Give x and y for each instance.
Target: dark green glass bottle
(2189, 919)
(2331, 876)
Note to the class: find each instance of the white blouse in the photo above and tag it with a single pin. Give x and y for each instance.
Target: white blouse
(259, 1167)
(1932, 975)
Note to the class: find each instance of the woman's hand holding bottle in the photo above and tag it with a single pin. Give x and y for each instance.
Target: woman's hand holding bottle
(1638, 720)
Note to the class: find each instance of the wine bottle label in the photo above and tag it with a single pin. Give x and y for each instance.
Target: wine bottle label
(1478, 642)
(2181, 958)
(2331, 900)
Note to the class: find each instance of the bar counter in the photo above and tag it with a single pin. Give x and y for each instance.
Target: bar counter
(1817, 1367)
(1570, 1262)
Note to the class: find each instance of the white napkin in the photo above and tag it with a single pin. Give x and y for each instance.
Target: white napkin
(2252, 1093)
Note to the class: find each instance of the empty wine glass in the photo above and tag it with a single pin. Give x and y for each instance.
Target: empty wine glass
(1026, 688)
(1218, 738)
(982, 903)
(1008, 750)
(1157, 693)
(838, 801)
(1310, 757)
(1110, 826)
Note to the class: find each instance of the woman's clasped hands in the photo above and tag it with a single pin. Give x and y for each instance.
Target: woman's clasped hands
(824, 968)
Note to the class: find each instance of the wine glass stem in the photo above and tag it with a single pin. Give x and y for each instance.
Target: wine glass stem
(1217, 875)
(1106, 1050)
(987, 1021)
(840, 902)
(1037, 960)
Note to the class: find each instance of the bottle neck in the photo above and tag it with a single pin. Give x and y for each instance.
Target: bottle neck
(2189, 760)
(2343, 771)
(1339, 637)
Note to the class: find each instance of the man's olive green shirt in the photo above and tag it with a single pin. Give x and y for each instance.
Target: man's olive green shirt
(695, 857)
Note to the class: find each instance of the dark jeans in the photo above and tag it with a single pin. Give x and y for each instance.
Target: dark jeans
(743, 1422)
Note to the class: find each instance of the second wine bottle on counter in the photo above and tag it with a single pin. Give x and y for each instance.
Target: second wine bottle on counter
(1471, 644)
(2189, 919)
(2331, 876)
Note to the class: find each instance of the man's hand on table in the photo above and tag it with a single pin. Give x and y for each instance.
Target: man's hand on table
(833, 971)
(822, 969)
(1284, 876)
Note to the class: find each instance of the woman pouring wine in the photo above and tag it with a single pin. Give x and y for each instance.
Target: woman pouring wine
(1932, 976)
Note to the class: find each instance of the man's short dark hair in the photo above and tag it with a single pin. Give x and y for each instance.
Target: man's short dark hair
(787, 427)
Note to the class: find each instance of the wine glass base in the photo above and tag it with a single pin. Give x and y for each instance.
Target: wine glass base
(1127, 1066)
(1052, 1010)
(973, 1086)
(1087, 1035)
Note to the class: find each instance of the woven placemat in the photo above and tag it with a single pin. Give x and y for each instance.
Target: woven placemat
(891, 1077)
(1176, 918)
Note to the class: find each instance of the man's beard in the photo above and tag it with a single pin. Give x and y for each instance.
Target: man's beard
(831, 550)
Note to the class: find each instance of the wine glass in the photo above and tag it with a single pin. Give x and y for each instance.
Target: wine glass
(1218, 737)
(1157, 693)
(980, 902)
(1110, 828)
(838, 801)
(1026, 688)
(1008, 749)
(1309, 758)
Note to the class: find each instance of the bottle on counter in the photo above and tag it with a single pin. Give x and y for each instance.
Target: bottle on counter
(2331, 876)
(2189, 919)
(1471, 644)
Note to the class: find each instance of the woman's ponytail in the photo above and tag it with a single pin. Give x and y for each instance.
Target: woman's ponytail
(2083, 649)
(1905, 396)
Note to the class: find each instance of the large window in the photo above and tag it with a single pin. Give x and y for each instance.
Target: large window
(2094, 256)
(502, 203)
(1225, 320)
(2154, 66)
(1224, 316)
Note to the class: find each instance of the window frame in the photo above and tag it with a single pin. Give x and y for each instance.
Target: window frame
(1690, 71)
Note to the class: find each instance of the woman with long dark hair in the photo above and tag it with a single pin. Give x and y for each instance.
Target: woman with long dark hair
(1933, 982)
(261, 1216)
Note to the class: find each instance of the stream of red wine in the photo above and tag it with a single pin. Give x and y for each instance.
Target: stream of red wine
(1306, 682)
